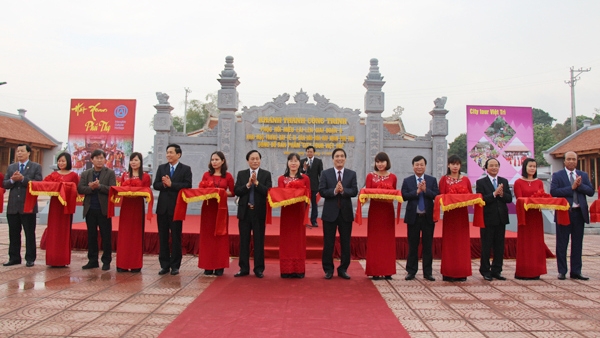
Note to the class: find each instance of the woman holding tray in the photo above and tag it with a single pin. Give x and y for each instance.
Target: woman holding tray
(456, 239)
(381, 231)
(58, 233)
(213, 255)
(292, 238)
(531, 249)
(130, 243)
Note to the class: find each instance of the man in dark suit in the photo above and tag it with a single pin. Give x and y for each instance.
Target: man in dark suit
(312, 167)
(17, 179)
(496, 194)
(573, 185)
(170, 177)
(419, 190)
(95, 184)
(337, 185)
(252, 186)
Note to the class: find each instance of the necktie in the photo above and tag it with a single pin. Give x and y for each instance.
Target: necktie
(575, 198)
(251, 197)
(21, 168)
(421, 205)
(172, 171)
(495, 183)
(339, 202)
(310, 162)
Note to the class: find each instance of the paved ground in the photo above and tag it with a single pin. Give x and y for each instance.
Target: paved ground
(42, 301)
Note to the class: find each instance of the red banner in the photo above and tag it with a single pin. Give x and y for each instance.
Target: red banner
(190, 195)
(106, 124)
(66, 193)
(117, 192)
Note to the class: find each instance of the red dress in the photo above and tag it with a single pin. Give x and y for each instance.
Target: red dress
(456, 239)
(130, 243)
(531, 248)
(58, 232)
(292, 233)
(213, 253)
(381, 231)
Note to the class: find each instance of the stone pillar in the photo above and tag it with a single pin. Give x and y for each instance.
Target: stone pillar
(438, 127)
(228, 105)
(374, 106)
(162, 126)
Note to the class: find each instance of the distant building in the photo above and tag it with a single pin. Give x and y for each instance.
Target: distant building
(17, 129)
(586, 143)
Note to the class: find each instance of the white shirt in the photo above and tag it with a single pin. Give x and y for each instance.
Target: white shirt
(575, 205)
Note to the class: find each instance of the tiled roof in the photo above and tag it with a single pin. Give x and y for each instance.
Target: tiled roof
(586, 142)
(17, 129)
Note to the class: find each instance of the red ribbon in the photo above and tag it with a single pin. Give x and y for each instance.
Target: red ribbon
(129, 192)
(559, 204)
(278, 197)
(448, 202)
(190, 195)
(65, 191)
(374, 193)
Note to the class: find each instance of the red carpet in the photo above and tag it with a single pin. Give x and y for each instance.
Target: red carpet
(272, 306)
(314, 239)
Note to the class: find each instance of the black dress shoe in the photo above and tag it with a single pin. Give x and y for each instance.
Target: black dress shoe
(219, 272)
(315, 225)
(259, 274)
(208, 272)
(461, 279)
(90, 265)
(328, 275)
(527, 278)
(562, 276)
(448, 279)
(488, 278)
(579, 276)
(377, 278)
(343, 274)
(106, 266)
(29, 264)
(163, 271)
(121, 270)
(174, 271)
(136, 270)
(9, 263)
(410, 276)
(498, 276)
(388, 277)
(429, 278)
(241, 274)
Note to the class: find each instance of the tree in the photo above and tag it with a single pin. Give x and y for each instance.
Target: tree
(563, 130)
(198, 113)
(541, 117)
(458, 147)
(543, 139)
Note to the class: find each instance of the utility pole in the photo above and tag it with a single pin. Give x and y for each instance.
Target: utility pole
(187, 91)
(571, 83)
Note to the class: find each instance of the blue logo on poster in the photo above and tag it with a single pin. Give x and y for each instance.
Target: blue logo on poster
(121, 111)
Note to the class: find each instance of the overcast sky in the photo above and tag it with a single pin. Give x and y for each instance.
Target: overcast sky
(513, 53)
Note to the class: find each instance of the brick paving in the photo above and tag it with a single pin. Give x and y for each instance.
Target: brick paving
(59, 302)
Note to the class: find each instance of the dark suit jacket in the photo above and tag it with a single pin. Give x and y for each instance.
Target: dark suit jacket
(107, 179)
(409, 194)
(327, 185)
(181, 179)
(561, 187)
(16, 196)
(260, 192)
(495, 211)
(313, 172)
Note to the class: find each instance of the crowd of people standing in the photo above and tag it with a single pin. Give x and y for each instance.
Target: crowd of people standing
(336, 185)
